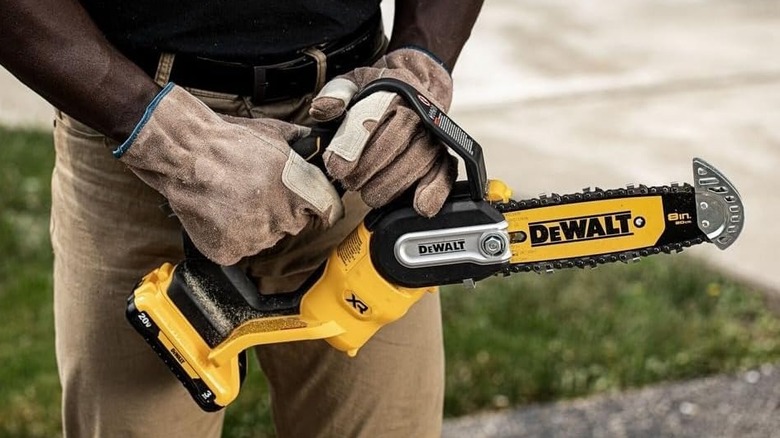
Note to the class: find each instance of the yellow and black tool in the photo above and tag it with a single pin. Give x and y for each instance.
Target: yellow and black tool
(201, 317)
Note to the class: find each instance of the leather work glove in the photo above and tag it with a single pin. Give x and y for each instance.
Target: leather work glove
(381, 148)
(235, 184)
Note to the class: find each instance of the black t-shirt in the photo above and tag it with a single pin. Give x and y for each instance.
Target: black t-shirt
(227, 29)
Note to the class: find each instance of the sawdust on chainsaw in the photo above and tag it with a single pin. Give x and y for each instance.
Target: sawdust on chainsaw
(227, 317)
(203, 292)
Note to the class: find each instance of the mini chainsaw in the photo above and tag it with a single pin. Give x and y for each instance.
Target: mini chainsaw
(201, 317)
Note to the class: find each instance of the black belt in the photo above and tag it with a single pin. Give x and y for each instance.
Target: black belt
(277, 78)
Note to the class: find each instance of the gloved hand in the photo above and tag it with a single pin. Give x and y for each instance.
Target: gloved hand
(381, 147)
(235, 184)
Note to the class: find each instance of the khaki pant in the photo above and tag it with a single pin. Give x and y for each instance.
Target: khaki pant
(107, 231)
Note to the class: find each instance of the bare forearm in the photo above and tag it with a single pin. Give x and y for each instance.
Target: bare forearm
(439, 26)
(54, 48)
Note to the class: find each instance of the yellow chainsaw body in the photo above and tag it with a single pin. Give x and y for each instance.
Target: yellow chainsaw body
(346, 306)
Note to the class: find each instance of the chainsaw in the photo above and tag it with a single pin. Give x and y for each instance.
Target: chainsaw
(200, 317)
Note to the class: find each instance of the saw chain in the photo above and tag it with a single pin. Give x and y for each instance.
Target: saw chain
(589, 195)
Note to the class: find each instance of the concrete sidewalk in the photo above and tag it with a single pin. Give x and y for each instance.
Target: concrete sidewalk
(745, 405)
(565, 95)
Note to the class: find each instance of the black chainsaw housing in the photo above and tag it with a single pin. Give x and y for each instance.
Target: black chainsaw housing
(388, 224)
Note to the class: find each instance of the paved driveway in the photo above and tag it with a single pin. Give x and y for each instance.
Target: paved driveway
(565, 95)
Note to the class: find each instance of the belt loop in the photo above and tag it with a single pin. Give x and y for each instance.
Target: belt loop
(322, 67)
(164, 67)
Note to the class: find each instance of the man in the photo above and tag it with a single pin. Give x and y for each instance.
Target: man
(198, 103)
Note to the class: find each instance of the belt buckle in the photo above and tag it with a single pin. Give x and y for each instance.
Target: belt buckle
(259, 84)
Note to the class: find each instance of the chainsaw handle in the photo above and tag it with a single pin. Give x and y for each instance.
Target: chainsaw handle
(313, 145)
(435, 121)
(442, 128)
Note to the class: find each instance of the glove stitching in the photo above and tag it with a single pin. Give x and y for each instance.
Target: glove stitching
(121, 149)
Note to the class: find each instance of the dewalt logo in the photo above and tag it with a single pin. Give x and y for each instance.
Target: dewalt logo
(601, 226)
(175, 353)
(442, 247)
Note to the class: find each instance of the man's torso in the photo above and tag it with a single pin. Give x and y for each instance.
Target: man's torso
(227, 29)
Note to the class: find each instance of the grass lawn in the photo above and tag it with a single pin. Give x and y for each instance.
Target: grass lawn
(512, 341)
